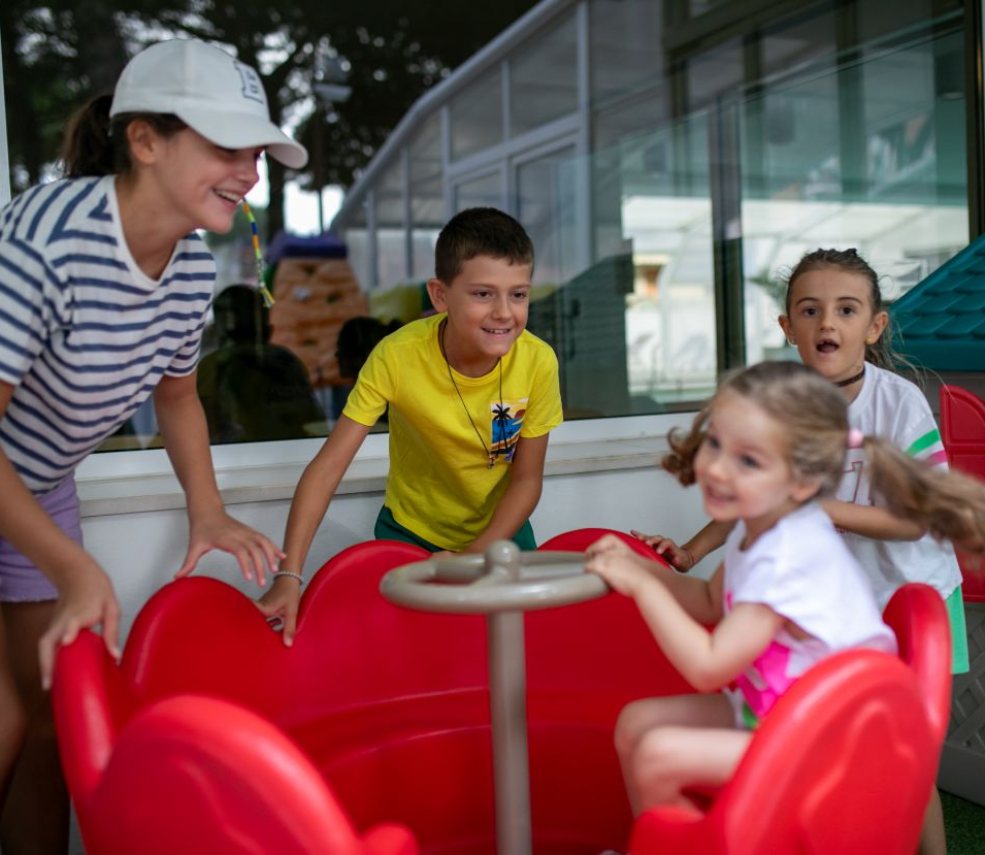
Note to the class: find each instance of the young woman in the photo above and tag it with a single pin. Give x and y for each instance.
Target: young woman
(104, 289)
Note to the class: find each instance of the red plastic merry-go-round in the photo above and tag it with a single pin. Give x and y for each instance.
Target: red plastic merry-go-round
(374, 733)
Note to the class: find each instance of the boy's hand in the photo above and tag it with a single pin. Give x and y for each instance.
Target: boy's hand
(85, 600)
(280, 606)
(680, 557)
(255, 552)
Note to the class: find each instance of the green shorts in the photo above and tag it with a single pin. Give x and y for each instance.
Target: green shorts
(959, 633)
(387, 528)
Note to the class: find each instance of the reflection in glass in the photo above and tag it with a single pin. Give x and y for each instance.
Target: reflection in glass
(625, 36)
(251, 389)
(391, 246)
(666, 221)
(544, 78)
(391, 253)
(754, 143)
(427, 204)
(546, 205)
(483, 191)
(836, 160)
(477, 116)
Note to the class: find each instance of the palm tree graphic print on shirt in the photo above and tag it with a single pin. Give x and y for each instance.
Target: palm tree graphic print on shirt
(507, 419)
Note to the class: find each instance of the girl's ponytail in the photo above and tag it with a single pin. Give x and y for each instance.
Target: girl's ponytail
(95, 144)
(950, 504)
(88, 147)
(679, 462)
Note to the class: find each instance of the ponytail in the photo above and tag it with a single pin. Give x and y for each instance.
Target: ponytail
(679, 462)
(950, 504)
(96, 144)
(88, 146)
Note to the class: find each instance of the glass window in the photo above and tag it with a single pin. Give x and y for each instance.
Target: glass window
(483, 190)
(357, 244)
(544, 78)
(388, 194)
(427, 204)
(546, 205)
(652, 219)
(671, 311)
(876, 20)
(625, 51)
(391, 244)
(798, 41)
(833, 124)
(699, 7)
(477, 116)
(716, 73)
(849, 158)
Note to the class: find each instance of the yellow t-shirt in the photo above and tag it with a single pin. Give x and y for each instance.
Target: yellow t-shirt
(440, 485)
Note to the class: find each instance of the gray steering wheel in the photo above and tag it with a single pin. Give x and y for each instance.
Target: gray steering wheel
(500, 580)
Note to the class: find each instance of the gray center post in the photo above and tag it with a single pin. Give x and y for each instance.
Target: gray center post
(502, 584)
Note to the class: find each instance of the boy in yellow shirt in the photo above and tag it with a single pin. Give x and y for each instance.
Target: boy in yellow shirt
(472, 398)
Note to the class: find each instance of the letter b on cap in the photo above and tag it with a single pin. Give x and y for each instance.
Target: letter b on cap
(252, 87)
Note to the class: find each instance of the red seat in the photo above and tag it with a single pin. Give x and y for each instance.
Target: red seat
(199, 774)
(579, 539)
(375, 700)
(843, 763)
(918, 616)
(963, 433)
(185, 743)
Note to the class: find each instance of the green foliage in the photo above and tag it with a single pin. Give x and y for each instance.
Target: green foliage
(57, 56)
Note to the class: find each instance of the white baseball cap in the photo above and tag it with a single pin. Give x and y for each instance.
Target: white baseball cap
(210, 91)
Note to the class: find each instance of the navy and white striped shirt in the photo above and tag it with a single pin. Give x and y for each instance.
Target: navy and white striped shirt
(85, 335)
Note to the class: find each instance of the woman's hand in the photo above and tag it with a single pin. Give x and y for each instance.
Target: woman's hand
(256, 553)
(85, 599)
(280, 606)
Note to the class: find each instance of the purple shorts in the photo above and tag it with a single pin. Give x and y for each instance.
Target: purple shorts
(20, 580)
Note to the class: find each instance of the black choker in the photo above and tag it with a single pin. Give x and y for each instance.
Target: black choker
(841, 383)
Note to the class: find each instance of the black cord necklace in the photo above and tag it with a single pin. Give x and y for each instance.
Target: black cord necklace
(842, 383)
(490, 453)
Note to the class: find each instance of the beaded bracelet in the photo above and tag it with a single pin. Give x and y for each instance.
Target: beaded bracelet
(297, 576)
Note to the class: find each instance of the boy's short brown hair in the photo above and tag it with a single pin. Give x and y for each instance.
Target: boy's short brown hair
(480, 231)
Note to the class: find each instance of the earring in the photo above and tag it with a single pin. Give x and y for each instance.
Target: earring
(791, 342)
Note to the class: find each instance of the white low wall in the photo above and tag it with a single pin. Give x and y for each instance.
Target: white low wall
(134, 521)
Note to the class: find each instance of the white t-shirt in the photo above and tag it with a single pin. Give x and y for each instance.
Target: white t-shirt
(894, 409)
(802, 570)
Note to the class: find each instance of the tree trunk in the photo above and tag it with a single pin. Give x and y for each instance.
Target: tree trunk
(275, 209)
(101, 51)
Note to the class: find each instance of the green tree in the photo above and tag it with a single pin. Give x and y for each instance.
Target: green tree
(58, 55)
(53, 60)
